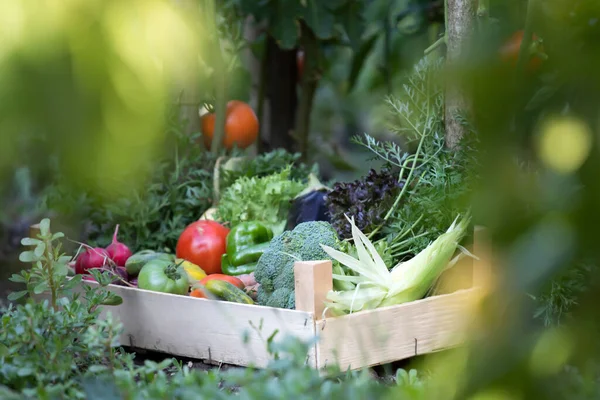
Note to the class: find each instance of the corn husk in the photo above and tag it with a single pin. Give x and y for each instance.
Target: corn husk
(377, 286)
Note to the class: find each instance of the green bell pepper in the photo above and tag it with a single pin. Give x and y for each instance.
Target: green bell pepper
(245, 244)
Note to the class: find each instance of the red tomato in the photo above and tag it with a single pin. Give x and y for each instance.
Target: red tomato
(222, 277)
(241, 126)
(203, 243)
(509, 52)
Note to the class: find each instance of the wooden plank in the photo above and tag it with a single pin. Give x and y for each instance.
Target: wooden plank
(34, 231)
(394, 333)
(313, 280)
(459, 277)
(205, 329)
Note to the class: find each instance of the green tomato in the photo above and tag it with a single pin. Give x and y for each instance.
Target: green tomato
(134, 264)
(163, 276)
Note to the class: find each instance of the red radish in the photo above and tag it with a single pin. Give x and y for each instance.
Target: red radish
(117, 251)
(90, 258)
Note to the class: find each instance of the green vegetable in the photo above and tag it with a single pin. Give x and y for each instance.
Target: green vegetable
(228, 292)
(275, 269)
(265, 164)
(375, 286)
(245, 244)
(134, 264)
(266, 199)
(163, 276)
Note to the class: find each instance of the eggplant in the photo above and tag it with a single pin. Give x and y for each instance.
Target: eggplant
(309, 205)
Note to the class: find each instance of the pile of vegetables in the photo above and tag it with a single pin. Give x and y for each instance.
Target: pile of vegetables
(390, 234)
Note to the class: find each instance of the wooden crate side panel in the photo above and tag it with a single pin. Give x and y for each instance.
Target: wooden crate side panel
(394, 333)
(205, 329)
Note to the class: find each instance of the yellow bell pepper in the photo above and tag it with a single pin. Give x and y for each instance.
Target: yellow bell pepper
(194, 272)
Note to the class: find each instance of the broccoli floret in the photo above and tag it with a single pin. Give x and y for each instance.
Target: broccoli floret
(275, 269)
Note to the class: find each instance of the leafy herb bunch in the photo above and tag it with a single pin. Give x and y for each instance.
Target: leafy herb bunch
(433, 181)
(366, 200)
(266, 199)
(264, 164)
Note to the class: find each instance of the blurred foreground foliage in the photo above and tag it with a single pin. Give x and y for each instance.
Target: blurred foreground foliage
(178, 192)
(80, 85)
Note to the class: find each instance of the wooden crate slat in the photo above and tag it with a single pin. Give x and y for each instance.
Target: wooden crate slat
(394, 333)
(205, 329)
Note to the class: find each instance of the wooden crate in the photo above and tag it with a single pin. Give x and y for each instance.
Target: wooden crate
(231, 333)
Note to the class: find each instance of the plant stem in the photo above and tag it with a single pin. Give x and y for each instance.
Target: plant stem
(483, 9)
(216, 181)
(436, 45)
(387, 29)
(406, 231)
(220, 83)
(50, 272)
(527, 37)
(406, 183)
(262, 88)
(523, 57)
(310, 79)
(483, 14)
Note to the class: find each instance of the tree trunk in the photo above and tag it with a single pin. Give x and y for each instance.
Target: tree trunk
(310, 81)
(251, 32)
(282, 97)
(460, 18)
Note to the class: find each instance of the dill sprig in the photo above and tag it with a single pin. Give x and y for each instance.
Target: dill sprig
(436, 180)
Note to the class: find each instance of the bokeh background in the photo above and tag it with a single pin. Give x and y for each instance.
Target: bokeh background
(99, 97)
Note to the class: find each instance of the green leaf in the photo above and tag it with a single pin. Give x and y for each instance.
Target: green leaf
(96, 388)
(540, 97)
(58, 235)
(64, 301)
(74, 281)
(16, 295)
(61, 269)
(17, 278)
(27, 256)
(285, 27)
(319, 18)
(97, 368)
(30, 241)
(113, 300)
(64, 259)
(45, 227)
(351, 17)
(358, 60)
(40, 249)
(25, 371)
(40, 288)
